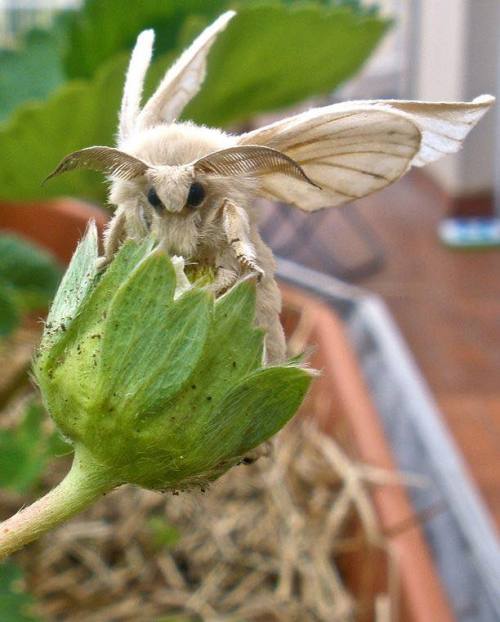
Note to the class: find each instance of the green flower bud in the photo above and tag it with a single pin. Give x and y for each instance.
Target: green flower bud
(153, 379)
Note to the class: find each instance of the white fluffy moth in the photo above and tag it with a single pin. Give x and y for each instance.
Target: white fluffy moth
(193, 187)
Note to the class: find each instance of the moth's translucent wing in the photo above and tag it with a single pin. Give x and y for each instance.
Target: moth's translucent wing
(134, 82)
(355, 148)
(184, 79)
(347, 153)
(443, 125)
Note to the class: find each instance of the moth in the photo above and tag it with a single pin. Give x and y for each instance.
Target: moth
(193, 188)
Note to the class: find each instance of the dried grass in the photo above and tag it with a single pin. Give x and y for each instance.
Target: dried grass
(261, 544)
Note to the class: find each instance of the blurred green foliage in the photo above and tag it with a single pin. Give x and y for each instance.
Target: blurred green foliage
(272, 55)
(14, 601)
(102, 29)
(26, 449)
(28, 280)
(30, 74)
(163, 534)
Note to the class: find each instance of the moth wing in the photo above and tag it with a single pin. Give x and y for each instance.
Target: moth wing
(184, 79)
(353, 149)
(444, 125)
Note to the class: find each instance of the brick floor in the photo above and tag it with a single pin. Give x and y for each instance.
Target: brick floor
(446, 302)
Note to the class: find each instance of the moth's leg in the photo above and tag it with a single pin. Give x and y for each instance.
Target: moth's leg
(113, 236)
(138, 222)
(268, 308)
(225, 277)
(237, 230)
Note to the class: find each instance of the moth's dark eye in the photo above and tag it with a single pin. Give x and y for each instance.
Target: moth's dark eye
(196, 194)
(155, 200)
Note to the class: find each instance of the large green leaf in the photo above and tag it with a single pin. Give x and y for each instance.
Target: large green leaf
(102, 29)
(31, 274)
(31, 72)
(37, 136)
(25, 451)
(271, 57)
(14, 602)
(77, 281)
(145, 326)
(9, 311)
(28, 280)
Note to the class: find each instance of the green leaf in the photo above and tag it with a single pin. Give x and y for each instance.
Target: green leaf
(77, 281)
(255, 409)
(23, 451)
(14, 602)
(40, 134)
(232, 350)
(151, 343)
(31, 273)
(81, 303)
(9, 312)
(31, 72)
(270, 57)
(102, 29)
(94, 307)
(319, 47)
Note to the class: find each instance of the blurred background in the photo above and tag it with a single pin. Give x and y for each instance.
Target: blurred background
(411, 273)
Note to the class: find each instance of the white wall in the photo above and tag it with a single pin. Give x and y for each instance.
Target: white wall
(455, 58)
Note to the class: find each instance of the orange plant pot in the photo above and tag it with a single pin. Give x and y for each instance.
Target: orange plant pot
(56, 225)
(339, 402)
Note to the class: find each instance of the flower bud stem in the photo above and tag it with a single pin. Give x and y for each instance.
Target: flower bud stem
(83, 484)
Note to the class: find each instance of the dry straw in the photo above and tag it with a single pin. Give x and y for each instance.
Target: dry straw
(261, 544)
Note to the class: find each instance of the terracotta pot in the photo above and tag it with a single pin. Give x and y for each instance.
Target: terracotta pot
(56, 225)
(339, 402)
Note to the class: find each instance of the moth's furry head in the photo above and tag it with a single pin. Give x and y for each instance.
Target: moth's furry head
(170, 151)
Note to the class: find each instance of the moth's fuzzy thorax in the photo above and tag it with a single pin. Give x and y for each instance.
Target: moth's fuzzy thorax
(176, 143)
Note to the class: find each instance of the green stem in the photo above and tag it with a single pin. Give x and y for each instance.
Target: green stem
(83, 484)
